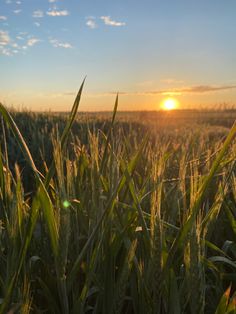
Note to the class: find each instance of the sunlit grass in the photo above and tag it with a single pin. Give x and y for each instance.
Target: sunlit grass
(115, 217)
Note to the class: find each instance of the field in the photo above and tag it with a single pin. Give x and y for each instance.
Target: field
(118, 212)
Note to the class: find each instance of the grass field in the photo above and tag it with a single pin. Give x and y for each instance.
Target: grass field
(134, 213)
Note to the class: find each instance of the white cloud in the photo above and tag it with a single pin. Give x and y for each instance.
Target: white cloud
(37, 24)
(91, 23)
(5, 41)
(108, 21)
(18, 2)
(17, 11)
(32, 41)
(3, 18)
(58, 13)
(58, 44)
(8, 1)
(4, 38)
(4, 51)
(52, 1)
(10, 47)
(15, 45)
(38, 14)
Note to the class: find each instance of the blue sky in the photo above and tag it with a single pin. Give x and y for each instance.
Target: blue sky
(146, 50)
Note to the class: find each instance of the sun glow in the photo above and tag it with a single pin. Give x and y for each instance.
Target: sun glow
(169, 104)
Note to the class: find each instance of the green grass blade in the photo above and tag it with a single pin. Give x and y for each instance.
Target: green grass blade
(223, 304)
(65, 133)
(182, 235)
(45, 203)
(105, 154)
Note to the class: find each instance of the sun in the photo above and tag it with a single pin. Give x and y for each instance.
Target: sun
(169, 104)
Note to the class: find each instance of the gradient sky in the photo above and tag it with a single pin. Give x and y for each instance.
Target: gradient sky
(144, 49)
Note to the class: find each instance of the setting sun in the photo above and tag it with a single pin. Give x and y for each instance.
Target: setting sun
(169, 104)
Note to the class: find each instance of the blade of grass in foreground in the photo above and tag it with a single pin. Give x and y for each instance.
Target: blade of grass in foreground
(182, 235)
(105, 154)
(65, 133)
(41, 193)
(42, 196)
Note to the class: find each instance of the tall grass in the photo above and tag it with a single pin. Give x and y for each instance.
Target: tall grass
(115, 220)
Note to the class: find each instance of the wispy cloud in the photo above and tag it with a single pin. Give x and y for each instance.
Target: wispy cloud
(3, 18)
(8, 1)
(206, 88)
(32, 41)
(17, 11)
(5, 51)
(37, 24)
(38, 14)
(4, 38)
(23, 33)
(14, 45)
(58, 44)
(180, 91)
(108, 21)
(10, 46)
(58, 13)
(91, 22)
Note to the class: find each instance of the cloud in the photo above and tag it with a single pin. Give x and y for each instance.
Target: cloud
(38, 14)
(206, 88)
(37, 24)
(52, 1)
(32, 41)
(58, 13)
(91, 23)
(3, 18)
(4, 38)
(200, 89)
(58, 44)
(108, 21)
(8, 1)
(17, 11)
(18, 2)
(6, 44)
(5, 51)
(14, 45)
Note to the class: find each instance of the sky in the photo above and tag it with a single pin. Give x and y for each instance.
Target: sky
(146, 50)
